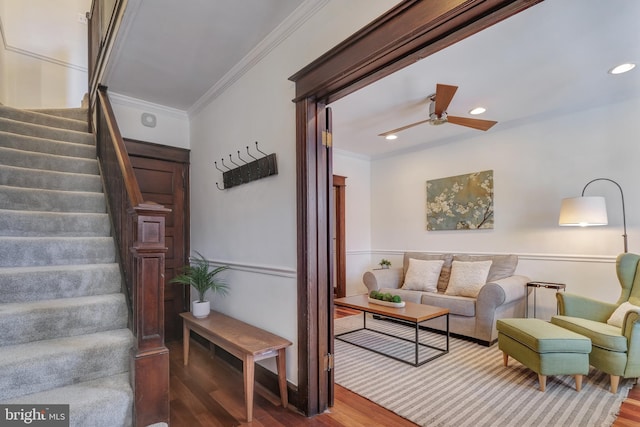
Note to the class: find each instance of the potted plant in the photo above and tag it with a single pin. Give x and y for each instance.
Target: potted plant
(202, 277)
(385, 263)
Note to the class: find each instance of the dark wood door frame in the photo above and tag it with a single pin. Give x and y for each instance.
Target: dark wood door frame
(339, 184)
(410, 31)
(176, 160)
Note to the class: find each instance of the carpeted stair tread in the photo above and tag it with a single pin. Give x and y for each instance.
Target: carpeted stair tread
(80, 114)
(44, 119)
(40, 251)
(43, 161)
(22, 284)
(41, 320)
(44, 145)
(43, 365)
(49, 180)
(30, 129)
(69, 224)
(104, 402)
(63, 316)
(20, 198)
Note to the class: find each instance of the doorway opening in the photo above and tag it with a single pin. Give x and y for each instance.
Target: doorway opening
(410, 31)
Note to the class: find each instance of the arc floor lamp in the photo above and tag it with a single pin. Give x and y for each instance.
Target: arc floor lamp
(587, 211)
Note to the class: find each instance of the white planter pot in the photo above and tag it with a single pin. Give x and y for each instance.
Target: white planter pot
(200, 310)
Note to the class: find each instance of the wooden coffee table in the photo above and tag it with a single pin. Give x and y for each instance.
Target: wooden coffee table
(411, 314)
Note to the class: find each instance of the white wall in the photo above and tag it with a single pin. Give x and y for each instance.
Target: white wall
(3, 80)
(44, 53)
(357, 216)
(171, 125)
(254, 225)
(535, 165)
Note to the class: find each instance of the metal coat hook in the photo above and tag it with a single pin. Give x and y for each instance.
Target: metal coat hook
(254, 159)
(250, 154)
(241, 157)
(248, 171)
(259, 149)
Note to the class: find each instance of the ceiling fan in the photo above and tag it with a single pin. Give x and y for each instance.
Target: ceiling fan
(439, 102)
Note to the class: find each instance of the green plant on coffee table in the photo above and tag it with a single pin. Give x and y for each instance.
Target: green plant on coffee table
(384, 296)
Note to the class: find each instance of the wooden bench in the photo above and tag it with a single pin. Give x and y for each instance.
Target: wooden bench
(246, 342)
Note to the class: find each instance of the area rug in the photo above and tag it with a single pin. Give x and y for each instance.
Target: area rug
(469, 386)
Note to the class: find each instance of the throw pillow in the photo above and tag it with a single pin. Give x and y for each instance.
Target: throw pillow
(617, 317)
(467, 278)
(503, 265)
(423, 275)
(443, 281)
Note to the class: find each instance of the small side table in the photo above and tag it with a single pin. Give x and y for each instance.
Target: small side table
(535, 286)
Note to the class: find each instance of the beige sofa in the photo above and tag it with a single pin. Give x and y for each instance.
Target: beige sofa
(502, 296)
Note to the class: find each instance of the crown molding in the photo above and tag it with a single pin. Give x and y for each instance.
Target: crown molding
(35, 55)
(287, 27)
(139, 104)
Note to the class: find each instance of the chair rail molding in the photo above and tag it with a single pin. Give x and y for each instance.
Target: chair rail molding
(608, 259)
(268, 270)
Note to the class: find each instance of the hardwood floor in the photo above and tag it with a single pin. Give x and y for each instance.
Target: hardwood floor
(209, 392)
(340, 312)
(629, 415)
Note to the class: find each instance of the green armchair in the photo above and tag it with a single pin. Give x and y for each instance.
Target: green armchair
(615, 350)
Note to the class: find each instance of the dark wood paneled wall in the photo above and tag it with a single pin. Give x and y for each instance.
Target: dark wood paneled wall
(163, 177)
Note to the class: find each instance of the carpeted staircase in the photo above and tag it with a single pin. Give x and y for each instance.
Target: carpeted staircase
(63, 318)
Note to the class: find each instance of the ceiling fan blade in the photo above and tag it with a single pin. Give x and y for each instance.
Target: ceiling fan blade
(391, 132)
(471, 123)
(444, 95)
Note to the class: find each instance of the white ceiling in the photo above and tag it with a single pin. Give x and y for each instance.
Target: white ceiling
(172, 52)
(549, 60)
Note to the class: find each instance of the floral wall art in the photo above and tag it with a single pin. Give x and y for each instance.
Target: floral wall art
(462, 202)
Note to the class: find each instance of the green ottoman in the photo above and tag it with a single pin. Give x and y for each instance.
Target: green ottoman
(544, 348)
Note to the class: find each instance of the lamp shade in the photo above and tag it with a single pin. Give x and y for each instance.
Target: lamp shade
(583, 211)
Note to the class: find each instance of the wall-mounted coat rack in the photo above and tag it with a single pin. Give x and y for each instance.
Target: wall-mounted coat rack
(249, 171)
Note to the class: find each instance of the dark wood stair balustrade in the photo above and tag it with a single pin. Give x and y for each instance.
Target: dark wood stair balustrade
(139, 229)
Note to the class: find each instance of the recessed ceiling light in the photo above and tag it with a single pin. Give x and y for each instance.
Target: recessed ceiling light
(477, 110)
(391, 137)
(622, 68)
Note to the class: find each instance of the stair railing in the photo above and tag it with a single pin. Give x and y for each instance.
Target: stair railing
(139, 229)
(103, 22)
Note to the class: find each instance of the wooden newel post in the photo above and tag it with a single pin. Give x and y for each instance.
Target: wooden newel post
(150, 361)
